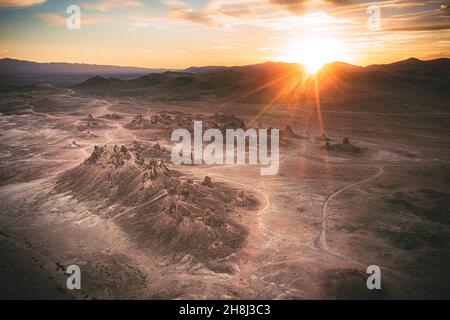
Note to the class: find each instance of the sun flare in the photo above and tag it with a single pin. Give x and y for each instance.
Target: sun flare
(315, 52)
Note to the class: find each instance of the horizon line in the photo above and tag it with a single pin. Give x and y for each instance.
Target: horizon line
(217, 65)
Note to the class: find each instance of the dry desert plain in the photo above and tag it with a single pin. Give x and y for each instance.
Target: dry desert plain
(87, 179)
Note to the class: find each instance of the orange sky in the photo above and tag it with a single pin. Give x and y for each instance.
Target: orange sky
(178, 34)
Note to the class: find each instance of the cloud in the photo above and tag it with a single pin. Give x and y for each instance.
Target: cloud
(269, 12)
(300, 6)
(422, 28)
(150, 21)
(233, 13)
(295, 6)
(108, 5)
(236, 10)
(434, 13)
(290, 15)
(436, 55)
(19, 3)
(52, 18)
(416, 17)
(385, 5)
(57, 20)
(179, 10)
(239, 11)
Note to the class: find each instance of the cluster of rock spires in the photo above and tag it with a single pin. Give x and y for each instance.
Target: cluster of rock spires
(164, 118)
(95, 155)
(144, 150)
(223, 121)
(91, 123)
(158, 206)
(161, 120)
(138, 122)
(345, 146)
(176, 119)
(119, 155)
(152, 168)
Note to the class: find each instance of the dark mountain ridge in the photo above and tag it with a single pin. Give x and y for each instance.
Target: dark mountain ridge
(262, 82)
(21, 67)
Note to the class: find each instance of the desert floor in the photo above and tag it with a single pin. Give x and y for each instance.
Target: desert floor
(320, 222)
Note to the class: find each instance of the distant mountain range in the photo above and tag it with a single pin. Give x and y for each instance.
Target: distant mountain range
(25, 68)
(402, 85)
(263, 82)
(411, 66)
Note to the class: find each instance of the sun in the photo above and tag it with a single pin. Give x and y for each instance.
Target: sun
(313, 53)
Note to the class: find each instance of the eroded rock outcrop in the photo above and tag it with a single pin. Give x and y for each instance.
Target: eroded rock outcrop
(344, 147)
(155, 205)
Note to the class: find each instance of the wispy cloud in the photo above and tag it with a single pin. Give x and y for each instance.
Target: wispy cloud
(58, 20)
(301, 6)
(52, 18)
(179, 10)
(108, 5)
(179, 14)
(295, 6)
(150, 21)
(431, 27)
(19, 3)
(269, 14)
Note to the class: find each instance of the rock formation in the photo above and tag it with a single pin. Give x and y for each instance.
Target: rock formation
(155, 205)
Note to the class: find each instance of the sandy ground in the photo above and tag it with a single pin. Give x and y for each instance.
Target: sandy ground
(323, 219)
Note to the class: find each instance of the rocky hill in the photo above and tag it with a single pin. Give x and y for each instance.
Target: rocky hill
(156, 205)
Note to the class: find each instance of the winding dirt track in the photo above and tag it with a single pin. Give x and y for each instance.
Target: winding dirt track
(323, 233)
